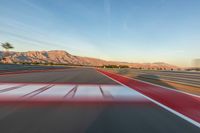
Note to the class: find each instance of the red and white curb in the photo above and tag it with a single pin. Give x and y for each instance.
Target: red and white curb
(183, 105)
(68, 92)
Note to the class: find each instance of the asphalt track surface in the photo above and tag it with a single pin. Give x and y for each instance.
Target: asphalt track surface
(85, 117)
(188, 78)
(70, 75)
(17, 67)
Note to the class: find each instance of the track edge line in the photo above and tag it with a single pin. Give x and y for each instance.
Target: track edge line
(159, 104)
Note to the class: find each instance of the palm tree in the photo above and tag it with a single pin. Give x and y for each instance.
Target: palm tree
(7, 46)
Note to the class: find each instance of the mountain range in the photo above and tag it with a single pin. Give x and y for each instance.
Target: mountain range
(63, 57)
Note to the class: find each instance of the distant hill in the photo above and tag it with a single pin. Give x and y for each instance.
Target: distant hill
(63, 57)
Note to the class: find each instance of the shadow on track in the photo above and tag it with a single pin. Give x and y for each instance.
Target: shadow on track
(153, 79)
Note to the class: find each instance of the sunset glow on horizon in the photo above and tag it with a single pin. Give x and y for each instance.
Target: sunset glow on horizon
(122, 30)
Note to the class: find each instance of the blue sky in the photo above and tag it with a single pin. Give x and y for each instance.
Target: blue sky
(123, 30)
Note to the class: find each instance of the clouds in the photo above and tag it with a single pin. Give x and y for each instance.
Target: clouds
(121, 29)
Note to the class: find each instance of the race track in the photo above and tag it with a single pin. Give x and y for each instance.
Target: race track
(138, 115)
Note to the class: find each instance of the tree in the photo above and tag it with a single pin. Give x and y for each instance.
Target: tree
(7, 46)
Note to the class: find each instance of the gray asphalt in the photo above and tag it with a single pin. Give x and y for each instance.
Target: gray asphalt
(188, 78)
(83, 117)
(71, 75)
(17, 67)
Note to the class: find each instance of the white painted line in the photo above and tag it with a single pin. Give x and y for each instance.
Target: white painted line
(4, 86)
(57, 91)
(161, 105)
(21, 91)
(120, 92)
(86, 91)
(161, 86)
(166, 87)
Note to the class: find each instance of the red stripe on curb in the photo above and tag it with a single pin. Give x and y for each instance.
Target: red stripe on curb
(185, 104)
(80, 101)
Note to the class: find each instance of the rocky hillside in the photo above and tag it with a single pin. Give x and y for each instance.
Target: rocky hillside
(55, 56)
(63, 57)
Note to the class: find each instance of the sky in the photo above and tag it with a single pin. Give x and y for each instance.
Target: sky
(120, 30)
